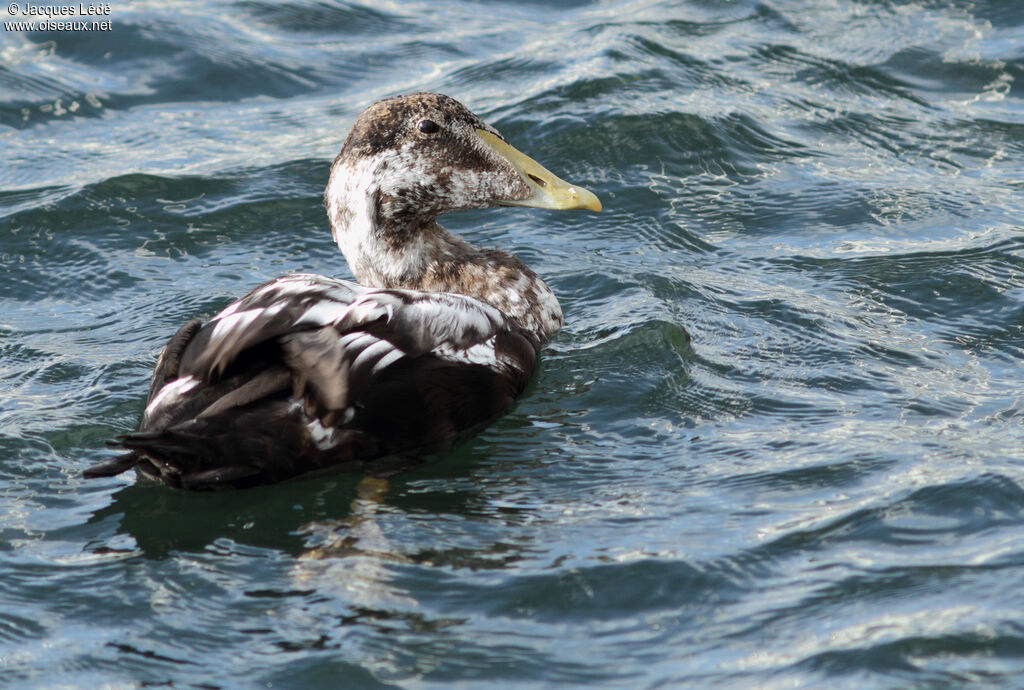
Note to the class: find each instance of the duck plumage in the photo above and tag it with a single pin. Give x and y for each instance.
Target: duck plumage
(308, 373)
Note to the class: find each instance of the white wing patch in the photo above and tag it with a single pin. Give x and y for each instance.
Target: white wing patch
(229, 310)
(323, 313)
(387, 360)
(233, 320)
(369, 308)
(357, 340)
(449, 316)
(376, 350)
(230, 320)
(287, 286)
(325, 437)
(362, 310)
(171, 394)
(481, 353)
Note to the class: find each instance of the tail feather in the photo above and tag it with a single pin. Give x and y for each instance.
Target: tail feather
(113, 466)
(191, 458)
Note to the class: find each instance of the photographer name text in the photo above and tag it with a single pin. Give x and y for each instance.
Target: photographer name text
(58, 17)
(93, 9)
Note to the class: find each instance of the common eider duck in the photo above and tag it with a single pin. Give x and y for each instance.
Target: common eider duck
(307, 373)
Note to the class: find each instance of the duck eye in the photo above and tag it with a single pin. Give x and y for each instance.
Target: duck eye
(428, 126)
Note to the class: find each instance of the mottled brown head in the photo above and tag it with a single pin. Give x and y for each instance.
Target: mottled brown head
(426, 154)
(413, 158)
(389, 123)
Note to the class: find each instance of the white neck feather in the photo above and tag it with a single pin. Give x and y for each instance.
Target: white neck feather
(376, 262)
(351, 194)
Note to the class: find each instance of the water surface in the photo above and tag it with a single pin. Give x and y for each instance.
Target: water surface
(824, 488)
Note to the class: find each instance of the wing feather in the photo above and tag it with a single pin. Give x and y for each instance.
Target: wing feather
(320, 366)
(371, 373)
(412, 322)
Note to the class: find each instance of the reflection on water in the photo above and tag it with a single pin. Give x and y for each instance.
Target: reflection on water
(351, 554)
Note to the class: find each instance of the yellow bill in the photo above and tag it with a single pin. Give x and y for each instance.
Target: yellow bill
(548, 190)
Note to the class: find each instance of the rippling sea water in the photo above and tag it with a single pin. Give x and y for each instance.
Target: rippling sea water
(823, 488)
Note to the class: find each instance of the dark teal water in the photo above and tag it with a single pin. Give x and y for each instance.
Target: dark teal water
(825, 489)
